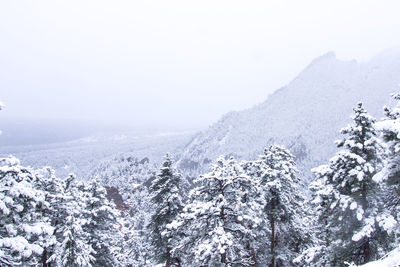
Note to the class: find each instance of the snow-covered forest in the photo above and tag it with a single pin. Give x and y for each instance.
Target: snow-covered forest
(240, 213)
(212, 133)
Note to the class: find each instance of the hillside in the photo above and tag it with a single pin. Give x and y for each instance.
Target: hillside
(305, 116)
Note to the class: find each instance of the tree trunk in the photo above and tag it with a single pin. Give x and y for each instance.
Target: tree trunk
(168, 261)
(253, 257)
(223, 259)
(364, 203)
(178, 261)
(366, 247)
(366, 252)
(44, 259)
(272, 242)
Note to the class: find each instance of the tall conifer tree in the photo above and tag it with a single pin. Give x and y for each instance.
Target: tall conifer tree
(219, 225)
(346, 196)
(283, 205)
(165, 196)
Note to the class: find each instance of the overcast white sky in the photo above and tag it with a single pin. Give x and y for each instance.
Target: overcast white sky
(173, 62)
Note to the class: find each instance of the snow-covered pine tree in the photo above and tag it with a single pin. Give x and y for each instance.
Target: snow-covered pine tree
(75, 250)
(218, 227)
(23, 228)
(389, 176)
(167, 202)
(283, 205)
(347, 198)
(389, 127)
(53, 189)
(134, 248)
(101, 223)
(72, 247)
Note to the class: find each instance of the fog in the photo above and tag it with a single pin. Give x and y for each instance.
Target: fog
(172, 63)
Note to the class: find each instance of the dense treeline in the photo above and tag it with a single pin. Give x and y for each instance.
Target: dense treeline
(247, 213)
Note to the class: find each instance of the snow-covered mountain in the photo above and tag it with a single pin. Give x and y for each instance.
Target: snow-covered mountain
(305, 116)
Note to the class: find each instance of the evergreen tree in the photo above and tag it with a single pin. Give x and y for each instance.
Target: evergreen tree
(218, 227)
(53, 189)
(23, 228)
(347, 198)
(75, 250)
(72, 247)
(284, 207)
(133, 249)
(391, 137)
(101, 223)
(389, 176)
(165, 196)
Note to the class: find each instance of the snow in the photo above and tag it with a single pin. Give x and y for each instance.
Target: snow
(380, 176)
(366, 231)
(21, 245)
(389, 125)
(39, 229)
(390, 260)
(309, 255)
(304, 115)
(10, 161)
(118, 137)
(174, 224)
(387, 222)
(360, 213)
(241, 133)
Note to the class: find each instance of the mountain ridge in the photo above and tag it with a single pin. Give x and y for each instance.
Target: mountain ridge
(306, 115)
